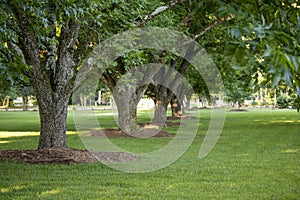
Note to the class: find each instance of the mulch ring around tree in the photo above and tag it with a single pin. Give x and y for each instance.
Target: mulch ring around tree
(147, 130)
(184, 117)
(143, 133)
(59, 155)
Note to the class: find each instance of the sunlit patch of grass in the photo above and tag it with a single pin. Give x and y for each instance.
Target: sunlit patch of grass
(29, 139)
(104, 114)
(17, 134)
(290, 151)
(50, 192)
(285, 121)
(11, 189)
(5, 134)
(72, 133)
(5, 141)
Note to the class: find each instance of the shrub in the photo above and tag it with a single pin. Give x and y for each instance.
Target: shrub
(284, 101)
(254, 103)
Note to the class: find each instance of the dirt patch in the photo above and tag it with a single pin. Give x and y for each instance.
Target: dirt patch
(64, 156)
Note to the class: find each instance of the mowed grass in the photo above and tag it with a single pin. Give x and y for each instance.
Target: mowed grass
(256, 157)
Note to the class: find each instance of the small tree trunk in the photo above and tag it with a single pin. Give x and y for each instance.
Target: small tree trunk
(176, 108)
(239, 105)
(187, 103)
(8, 103)
(182, 108)
(25, 103)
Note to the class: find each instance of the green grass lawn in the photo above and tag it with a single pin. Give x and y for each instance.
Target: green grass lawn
(256, 157)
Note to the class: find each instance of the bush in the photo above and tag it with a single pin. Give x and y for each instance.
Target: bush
(265, 103)
(296, 103)
(254, 103)
(284, 101)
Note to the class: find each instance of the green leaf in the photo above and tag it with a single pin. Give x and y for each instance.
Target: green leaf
(287, 76)
(269, 26)
(276, 79)
(272, 70)
(263, 20)
(237, 67)
(296, 62)
(235, 32)
(267, 53)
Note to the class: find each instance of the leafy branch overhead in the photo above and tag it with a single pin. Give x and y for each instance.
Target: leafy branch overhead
(266, 35)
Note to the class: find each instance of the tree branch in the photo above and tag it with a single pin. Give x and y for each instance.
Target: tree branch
(187, 19)
(140, 21)
(65, 63)
(213, 25)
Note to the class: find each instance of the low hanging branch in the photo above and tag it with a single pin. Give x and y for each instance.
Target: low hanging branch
(210, 27)
(140, 21)
(213, 25)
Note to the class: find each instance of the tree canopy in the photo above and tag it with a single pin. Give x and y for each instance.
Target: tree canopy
(48, 42)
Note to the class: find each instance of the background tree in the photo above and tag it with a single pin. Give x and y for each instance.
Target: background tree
(128, 80)
(265, 35)
(237, 93)
(48, 41)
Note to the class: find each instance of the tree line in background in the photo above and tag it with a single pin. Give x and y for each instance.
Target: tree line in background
(254, 44)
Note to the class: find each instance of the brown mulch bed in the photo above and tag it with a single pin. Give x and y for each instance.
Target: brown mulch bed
(76, 156)
(144, 133)
(63, 156)
(147, 130)
(184, 117)
(166, 124)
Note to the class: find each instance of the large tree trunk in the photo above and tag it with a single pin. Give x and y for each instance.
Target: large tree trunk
(127, 108)
(128, 91)
(127, 113)
(53, 109)
(53, 124)
(52, 77)
(171, 83)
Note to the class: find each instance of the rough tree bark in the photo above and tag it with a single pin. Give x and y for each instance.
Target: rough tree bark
(128, 94)
(54, 86)
(127, 112)
(170, 82)
(161, 108)
(52, 73)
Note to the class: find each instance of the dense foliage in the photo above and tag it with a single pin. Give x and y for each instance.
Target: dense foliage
(47, 42)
